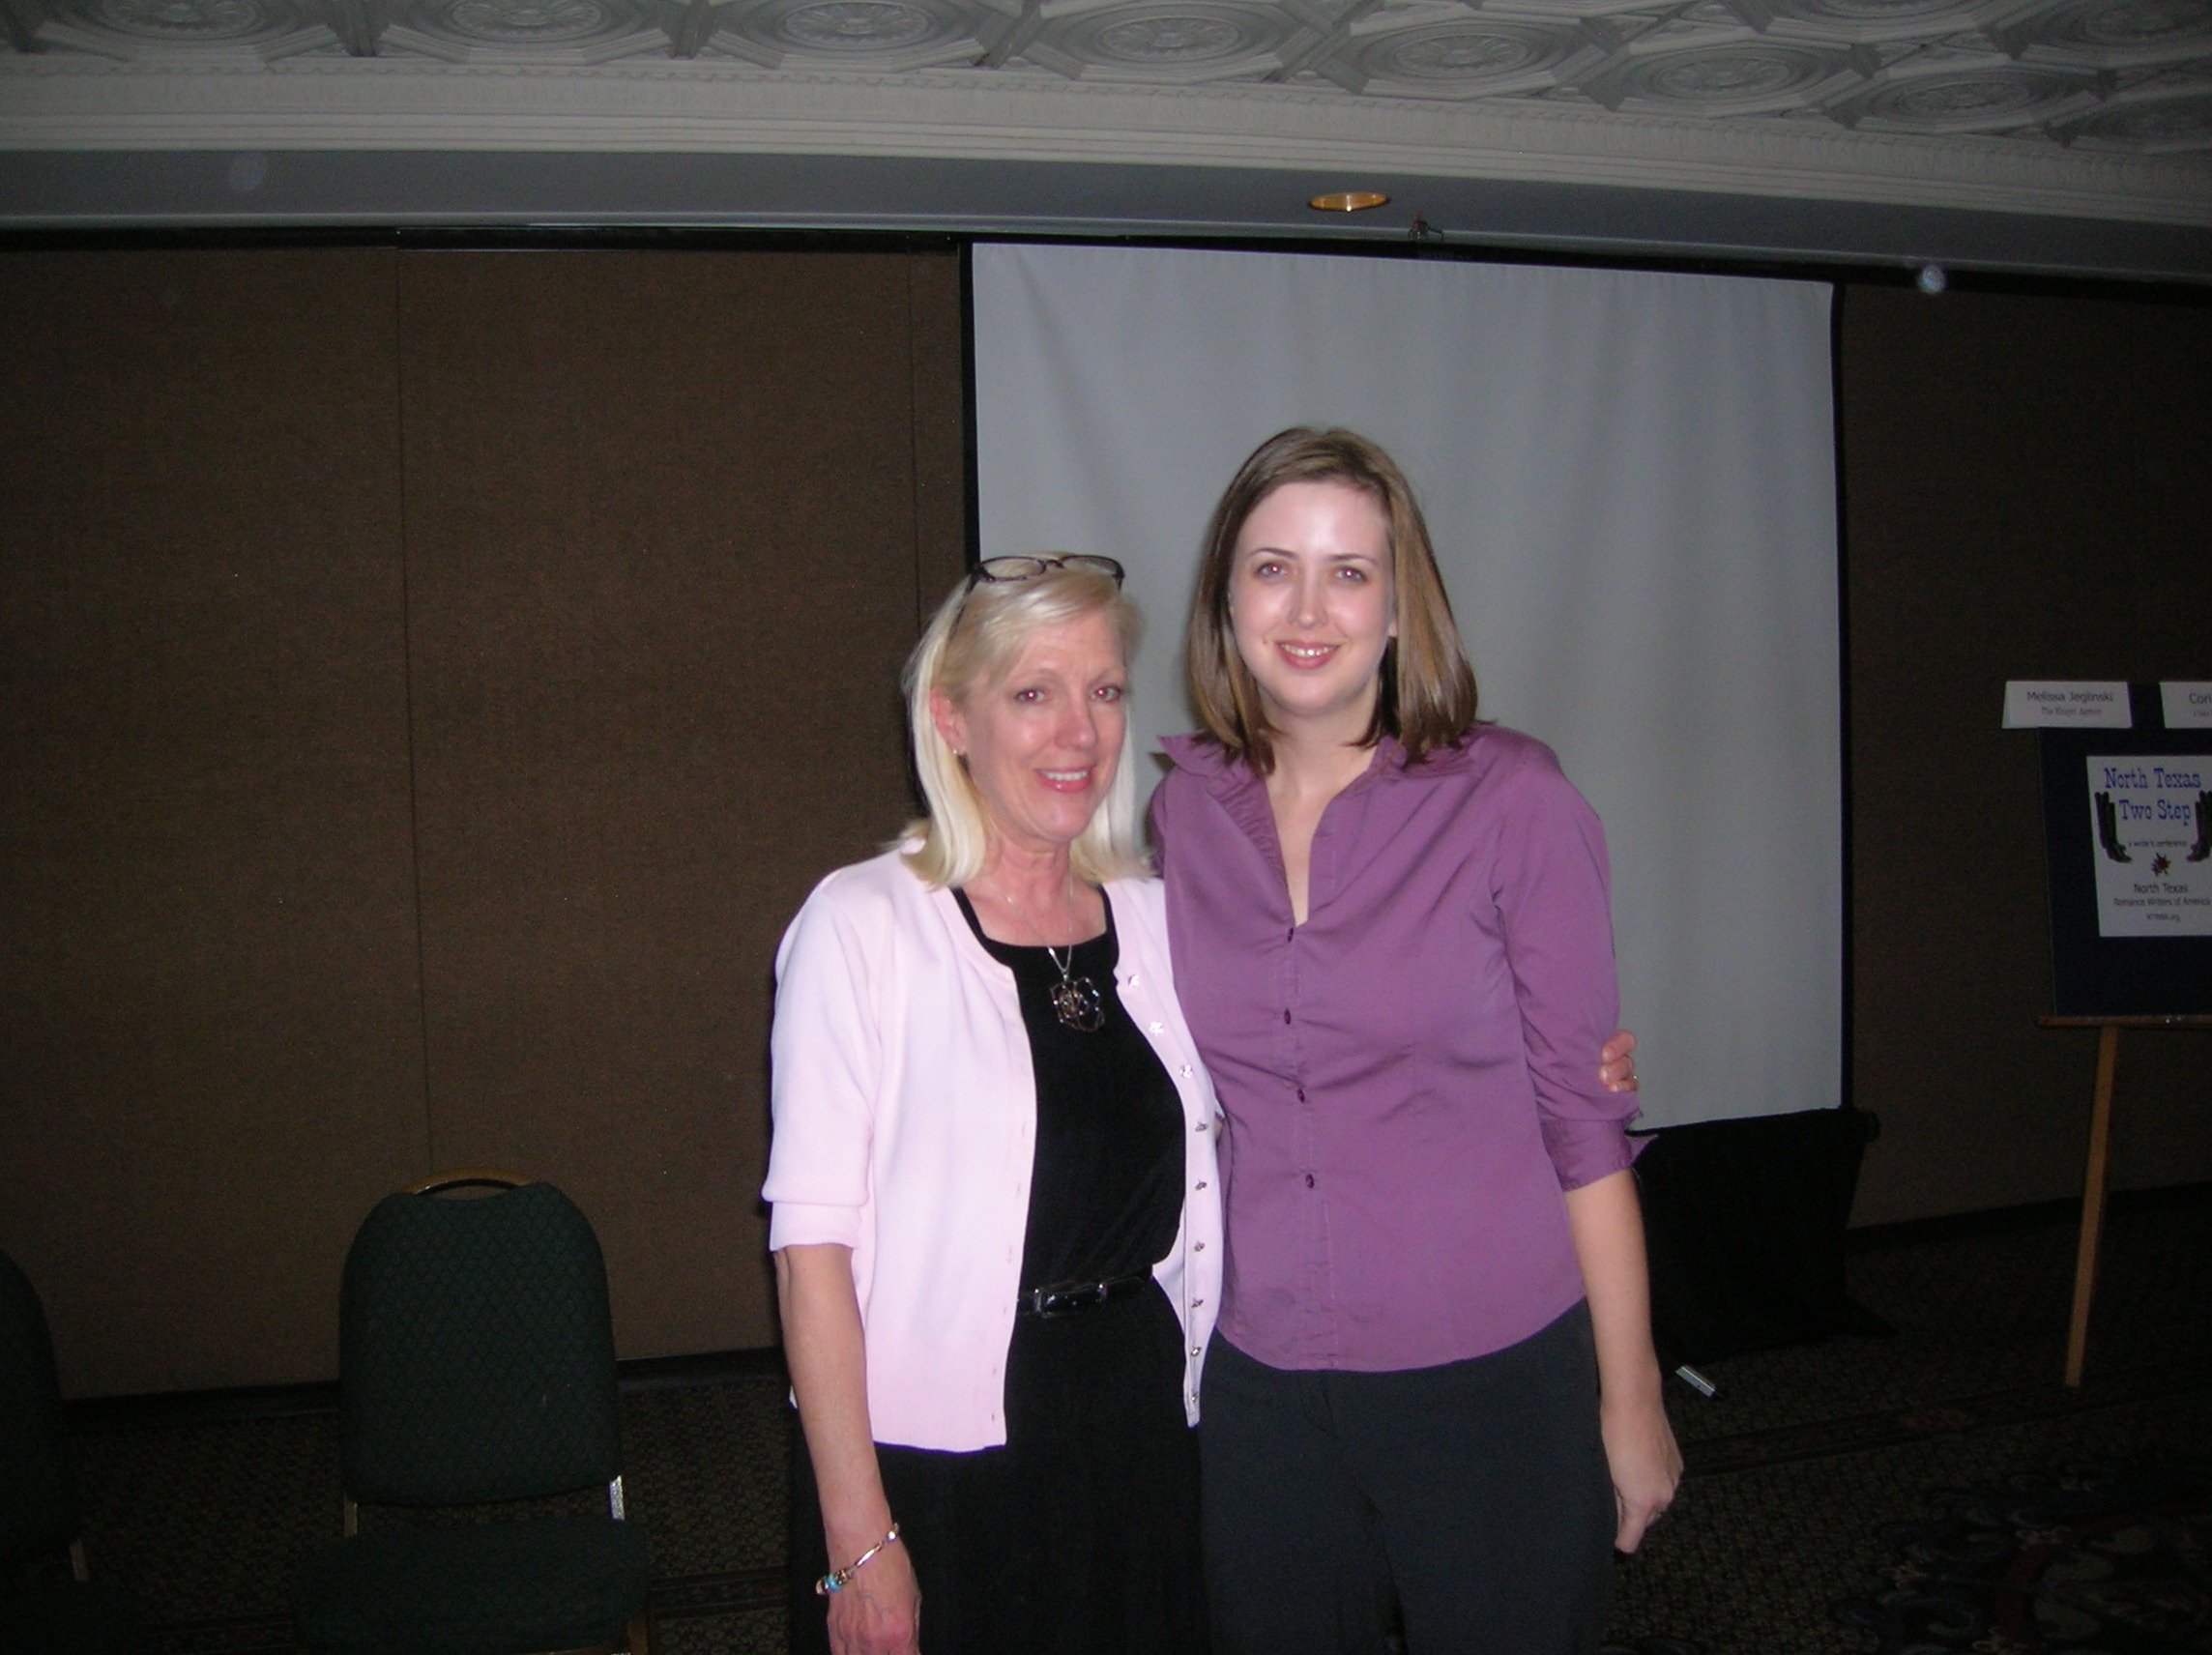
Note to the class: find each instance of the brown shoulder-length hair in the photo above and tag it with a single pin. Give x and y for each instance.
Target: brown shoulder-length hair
(1427, 696)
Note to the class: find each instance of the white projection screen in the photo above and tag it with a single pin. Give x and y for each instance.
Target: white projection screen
(1630, 477)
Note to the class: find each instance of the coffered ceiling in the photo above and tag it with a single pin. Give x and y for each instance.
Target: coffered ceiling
(2081, 111)
(2121, 76)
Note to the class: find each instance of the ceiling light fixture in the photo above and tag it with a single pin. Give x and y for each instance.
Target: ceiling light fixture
(1349, 201)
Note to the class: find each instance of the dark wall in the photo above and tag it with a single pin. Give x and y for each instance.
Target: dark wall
(211, 1056)
(432, 681)
(429, 681)
(2028, 490)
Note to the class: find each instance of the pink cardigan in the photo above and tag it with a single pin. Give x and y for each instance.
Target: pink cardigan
(905, 1110)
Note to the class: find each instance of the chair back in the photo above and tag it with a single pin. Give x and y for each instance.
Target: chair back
(37, 1483)
(476, 1354)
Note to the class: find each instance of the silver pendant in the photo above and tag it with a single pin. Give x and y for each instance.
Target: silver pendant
(1078, 1005)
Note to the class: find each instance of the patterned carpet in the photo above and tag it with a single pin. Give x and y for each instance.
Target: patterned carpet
(2105, 1555)
(1934, 1493)
(207, 1521)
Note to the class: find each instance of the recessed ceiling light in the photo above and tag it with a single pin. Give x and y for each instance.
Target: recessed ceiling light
(1349, 201)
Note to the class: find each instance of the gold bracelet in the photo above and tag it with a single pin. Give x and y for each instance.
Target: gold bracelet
(834, 1580)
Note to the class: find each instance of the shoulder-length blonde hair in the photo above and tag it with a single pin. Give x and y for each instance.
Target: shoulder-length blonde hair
(979, 632)
(1427, 696)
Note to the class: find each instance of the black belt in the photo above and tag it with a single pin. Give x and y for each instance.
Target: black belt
(1065, 1298)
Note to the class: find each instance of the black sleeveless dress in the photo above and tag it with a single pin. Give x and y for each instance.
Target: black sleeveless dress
(1080, 1536)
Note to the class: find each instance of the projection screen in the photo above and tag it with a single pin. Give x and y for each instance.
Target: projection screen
(1630, 478)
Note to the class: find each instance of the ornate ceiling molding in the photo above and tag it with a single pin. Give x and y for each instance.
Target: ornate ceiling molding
(241, 100)
(2097, 109)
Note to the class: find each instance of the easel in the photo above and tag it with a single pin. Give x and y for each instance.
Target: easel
(2100, 1146)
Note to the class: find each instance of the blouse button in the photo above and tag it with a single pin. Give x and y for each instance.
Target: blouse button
(1202, 1183)
(1186, 1071)
(1199, 1247)
(1196, 1303)
(1157, 1026)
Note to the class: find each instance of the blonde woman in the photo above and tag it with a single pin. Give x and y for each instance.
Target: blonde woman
(996, 1220)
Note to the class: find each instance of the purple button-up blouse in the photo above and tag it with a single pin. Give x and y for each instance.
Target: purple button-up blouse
(1410, 1076)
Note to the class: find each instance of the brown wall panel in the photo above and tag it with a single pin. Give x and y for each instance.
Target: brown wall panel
(670, 523)
(665, 534)
(2027, 494)
(210, 1032)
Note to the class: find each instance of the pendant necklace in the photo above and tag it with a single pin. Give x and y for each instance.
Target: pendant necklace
(1075, 1001)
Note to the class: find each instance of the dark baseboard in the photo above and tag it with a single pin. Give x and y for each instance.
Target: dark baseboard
(2032, 1215)
(156, 1410)
(162, 1409)
(708, 1368)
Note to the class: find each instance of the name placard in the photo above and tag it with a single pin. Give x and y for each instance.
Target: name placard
(2066, 704)
(2188, 706)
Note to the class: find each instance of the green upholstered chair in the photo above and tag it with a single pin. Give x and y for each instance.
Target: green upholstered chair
(40, 1608)
(477, 1365)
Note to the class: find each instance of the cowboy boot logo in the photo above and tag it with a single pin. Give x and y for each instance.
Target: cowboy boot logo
(2109, 829)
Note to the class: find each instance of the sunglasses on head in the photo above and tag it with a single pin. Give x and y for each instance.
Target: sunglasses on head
(1000, 572)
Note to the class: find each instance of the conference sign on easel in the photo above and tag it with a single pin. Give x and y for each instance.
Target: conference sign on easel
(2152, 821)
(2126, 813)
(2127, 819)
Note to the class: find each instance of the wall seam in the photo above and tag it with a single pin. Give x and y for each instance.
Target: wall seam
(971, 460)
(407, 680)
(914, 441)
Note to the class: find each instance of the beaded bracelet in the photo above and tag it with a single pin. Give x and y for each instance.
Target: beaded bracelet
(834, 1580)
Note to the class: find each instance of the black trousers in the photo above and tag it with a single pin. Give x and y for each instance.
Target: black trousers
(1475, 1495)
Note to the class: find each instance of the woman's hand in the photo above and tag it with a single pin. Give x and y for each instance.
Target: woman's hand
(1616, 1063)
(1645, 1464)
(879, 1610)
